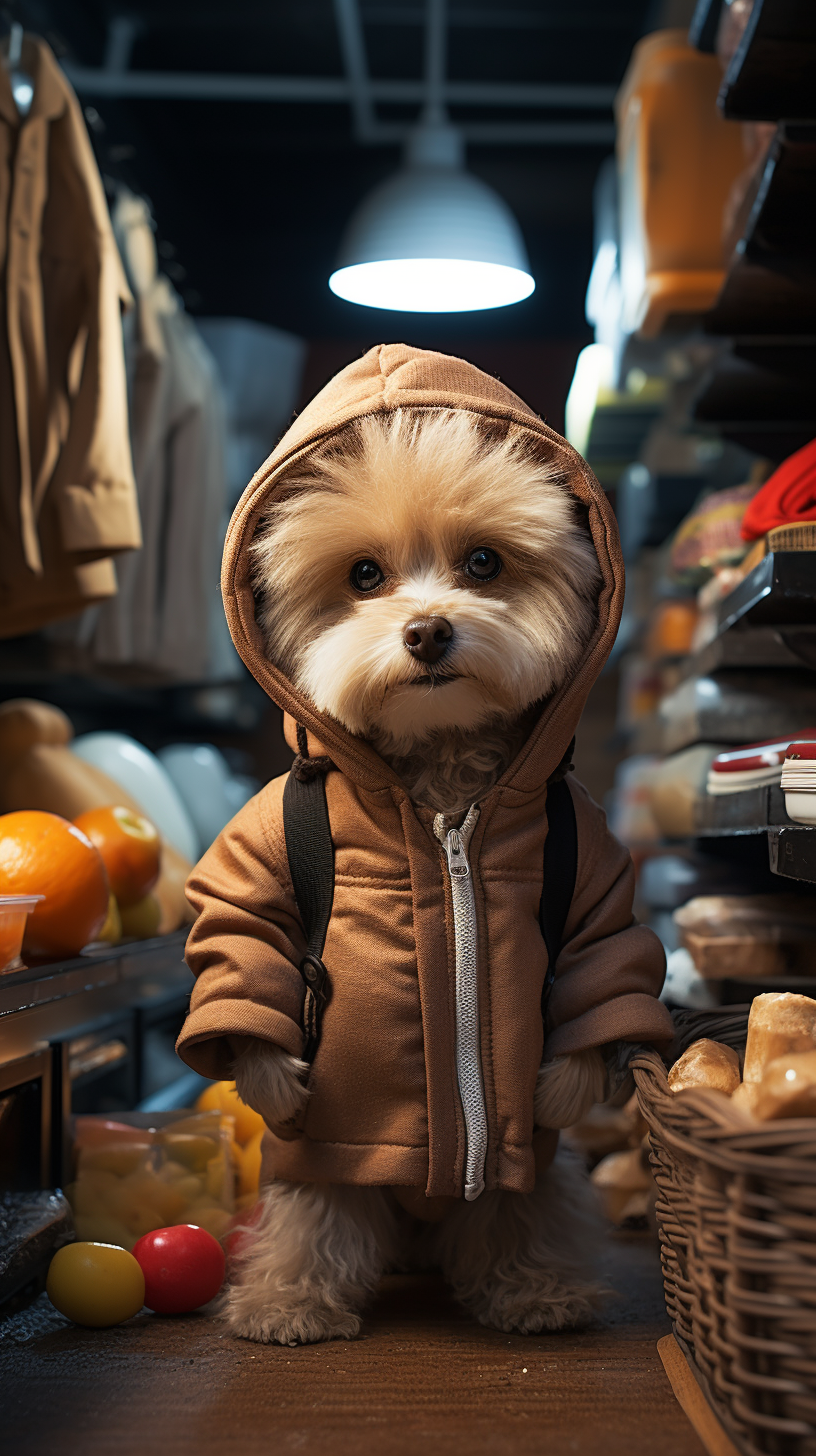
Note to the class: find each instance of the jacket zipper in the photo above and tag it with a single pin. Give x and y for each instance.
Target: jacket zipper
(455, 843)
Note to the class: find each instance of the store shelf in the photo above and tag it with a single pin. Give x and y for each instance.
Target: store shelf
(776, 220)
(771, 73)
(704, 23)
(752, 811)
(742, 646)
(756, 299)
(37, 986)
(792, 852)
(747, 401)
(780, 589)
(731, 706)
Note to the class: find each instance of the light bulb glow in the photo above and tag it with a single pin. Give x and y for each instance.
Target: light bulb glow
(594, 370)
(431, 285)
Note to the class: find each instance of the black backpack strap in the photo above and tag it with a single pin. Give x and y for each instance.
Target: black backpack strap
(310, 852)
(560, 870)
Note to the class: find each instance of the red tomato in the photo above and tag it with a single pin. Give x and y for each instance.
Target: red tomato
(183, 1268)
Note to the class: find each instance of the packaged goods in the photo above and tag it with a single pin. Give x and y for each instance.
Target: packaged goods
(798, 781)
(131, 1180)
(749, 935)
(755, 765)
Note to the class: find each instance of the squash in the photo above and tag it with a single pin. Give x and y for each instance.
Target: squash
(24, 722)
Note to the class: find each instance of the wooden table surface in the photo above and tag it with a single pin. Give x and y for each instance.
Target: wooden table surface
(422, 1378)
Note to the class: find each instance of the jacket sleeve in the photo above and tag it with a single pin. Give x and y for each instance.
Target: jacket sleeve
(247, 942)
(93, 485)
(610, 971)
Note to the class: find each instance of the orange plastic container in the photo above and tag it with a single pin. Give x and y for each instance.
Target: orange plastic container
(677, 160)
(14, 911)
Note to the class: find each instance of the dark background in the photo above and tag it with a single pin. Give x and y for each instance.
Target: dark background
(251, 198)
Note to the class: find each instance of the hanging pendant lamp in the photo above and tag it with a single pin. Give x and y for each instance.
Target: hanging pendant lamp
(433, 238)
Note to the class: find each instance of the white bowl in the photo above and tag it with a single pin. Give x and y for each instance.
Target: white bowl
(202, 777)
(139, 771)
(801, 805)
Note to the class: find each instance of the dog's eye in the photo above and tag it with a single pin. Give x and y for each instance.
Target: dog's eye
(483, 564)
(366, 575)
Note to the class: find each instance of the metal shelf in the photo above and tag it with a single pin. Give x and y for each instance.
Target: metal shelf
(751, 811)
(37, 986)
(792, 852)
(771, 73)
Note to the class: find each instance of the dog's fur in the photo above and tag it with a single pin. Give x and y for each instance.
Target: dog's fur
(417, 492)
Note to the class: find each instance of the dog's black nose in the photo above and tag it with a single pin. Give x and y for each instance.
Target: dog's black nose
(427, 638)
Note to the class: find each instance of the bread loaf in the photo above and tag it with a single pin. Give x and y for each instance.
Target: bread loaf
(706, 1064)
(744, 1097)
(623, 1182)
(780, 1022)
(788, 1087)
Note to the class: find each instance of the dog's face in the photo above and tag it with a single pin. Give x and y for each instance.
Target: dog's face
(423, 575)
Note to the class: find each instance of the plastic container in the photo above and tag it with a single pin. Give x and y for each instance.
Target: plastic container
(150, 1171)
(677, 161)
(14, 911)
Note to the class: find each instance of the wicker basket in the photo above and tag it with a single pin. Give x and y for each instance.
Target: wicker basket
(737, 1213)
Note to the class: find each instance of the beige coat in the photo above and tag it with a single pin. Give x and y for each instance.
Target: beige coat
(168, 592)
(384, 1105)
(67, 495)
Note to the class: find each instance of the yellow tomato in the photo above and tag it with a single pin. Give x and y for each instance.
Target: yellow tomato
(95, 1284)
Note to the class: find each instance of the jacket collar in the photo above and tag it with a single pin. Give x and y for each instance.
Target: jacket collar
(51, 90)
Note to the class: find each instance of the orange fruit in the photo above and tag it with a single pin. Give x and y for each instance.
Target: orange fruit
(130, 848)
(43, 854)
(223, 1096)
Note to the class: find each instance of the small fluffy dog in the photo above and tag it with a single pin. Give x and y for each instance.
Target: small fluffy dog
(429, 585)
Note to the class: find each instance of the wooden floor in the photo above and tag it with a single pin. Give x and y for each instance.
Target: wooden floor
(422, 1379)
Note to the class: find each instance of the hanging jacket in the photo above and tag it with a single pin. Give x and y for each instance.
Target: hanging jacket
(167, 593)
(67, 494)
(387, 1102)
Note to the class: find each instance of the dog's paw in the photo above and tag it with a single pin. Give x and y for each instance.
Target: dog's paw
(303, 1326)
(272, 1081)
(526, 1313)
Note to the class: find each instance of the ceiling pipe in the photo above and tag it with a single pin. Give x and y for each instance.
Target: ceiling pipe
(436, 57)
(357, 88)
(355, 64)
(218, 86)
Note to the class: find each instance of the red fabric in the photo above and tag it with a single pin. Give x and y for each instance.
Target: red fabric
(788, 496)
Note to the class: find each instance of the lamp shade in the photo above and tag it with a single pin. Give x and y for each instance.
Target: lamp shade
(433, 238)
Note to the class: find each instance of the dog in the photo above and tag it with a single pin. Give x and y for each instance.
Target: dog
(428, 584)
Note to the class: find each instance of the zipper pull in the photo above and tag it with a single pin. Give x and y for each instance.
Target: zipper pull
(458, 865)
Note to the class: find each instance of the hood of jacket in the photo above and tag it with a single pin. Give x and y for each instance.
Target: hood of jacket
(390, 377)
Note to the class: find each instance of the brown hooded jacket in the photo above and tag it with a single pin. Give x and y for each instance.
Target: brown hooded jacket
(385, 1105)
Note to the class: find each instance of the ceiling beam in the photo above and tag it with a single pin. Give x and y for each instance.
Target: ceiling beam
(215, 85)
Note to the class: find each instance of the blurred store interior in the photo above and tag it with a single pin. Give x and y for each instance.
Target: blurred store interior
(648, 171)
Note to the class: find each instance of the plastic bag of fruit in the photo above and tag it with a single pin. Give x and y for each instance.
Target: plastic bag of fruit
(146, 1172)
